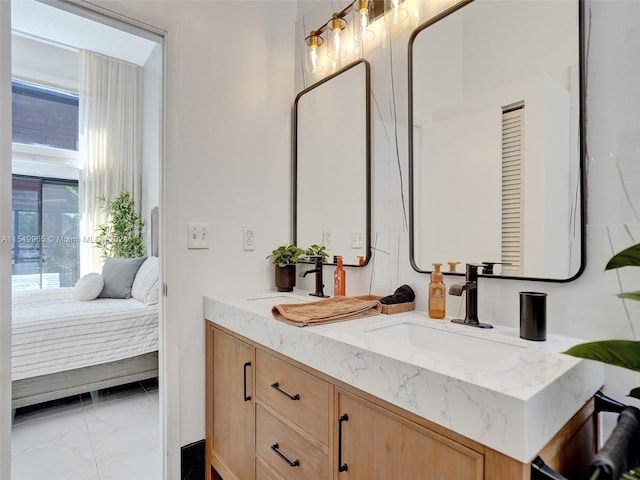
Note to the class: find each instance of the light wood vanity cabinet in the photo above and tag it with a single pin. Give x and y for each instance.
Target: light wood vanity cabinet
(271, 418)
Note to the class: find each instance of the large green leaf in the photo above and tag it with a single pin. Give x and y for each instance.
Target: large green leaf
(630, 295)
(635, 392)
(631, 474)
(622, 353)
(626, 258)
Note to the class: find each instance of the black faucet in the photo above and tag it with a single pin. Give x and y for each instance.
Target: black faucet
(318, 271)
(470, 285)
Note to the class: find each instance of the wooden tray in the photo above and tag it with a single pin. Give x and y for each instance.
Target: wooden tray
(391, 309)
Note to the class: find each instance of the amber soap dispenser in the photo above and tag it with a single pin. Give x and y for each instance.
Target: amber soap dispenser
(437, 293)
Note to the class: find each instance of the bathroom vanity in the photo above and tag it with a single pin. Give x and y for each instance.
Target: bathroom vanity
(390, 396)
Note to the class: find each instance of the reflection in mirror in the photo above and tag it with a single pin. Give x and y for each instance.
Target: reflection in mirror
(496, 154)
(332, 165)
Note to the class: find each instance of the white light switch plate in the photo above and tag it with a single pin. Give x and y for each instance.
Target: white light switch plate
(198, 235)
(327, 239)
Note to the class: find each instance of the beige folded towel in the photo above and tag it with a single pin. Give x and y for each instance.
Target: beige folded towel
(333, 309)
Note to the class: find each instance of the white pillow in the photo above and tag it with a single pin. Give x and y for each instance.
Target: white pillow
(145, 286)
(88, 287)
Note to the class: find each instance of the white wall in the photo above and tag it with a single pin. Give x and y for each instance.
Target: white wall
(228, 154)
(47, 63)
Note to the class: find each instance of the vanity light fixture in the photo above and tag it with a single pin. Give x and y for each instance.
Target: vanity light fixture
(364, 12)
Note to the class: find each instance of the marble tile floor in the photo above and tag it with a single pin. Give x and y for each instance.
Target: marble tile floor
(115, 436)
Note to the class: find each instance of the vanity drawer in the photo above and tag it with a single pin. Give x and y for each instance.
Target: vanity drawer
(291, 454)
(294, 393)
(264, 471)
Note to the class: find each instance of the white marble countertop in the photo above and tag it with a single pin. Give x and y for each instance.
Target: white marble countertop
(491, 386)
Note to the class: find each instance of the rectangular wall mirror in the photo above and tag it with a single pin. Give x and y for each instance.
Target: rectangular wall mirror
(331, 165)
(495, 96)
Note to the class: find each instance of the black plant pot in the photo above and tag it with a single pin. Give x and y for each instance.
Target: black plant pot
(285, 278)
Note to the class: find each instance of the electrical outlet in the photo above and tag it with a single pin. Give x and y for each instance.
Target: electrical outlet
(357, 239)
(327, 239)
(198, 235)
(248, 239)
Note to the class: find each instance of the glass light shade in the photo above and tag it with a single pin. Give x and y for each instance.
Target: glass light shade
(336, 25)
(362, 32)
(311, 63)
(395, 11)
(414, 8)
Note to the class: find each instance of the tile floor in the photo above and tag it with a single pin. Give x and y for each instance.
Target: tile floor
(117, 437)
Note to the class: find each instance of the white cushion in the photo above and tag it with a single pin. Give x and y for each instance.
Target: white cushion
(88, 287)
(145, 286)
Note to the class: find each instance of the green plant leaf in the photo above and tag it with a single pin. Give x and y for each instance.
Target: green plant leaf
(630, 295)
(635, 393)
(626, 258)
(121, 236)
(315, 250)
(621, 353)
(285, 255)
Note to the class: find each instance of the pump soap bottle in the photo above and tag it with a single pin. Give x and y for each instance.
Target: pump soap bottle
(437, 293)
(339, 279)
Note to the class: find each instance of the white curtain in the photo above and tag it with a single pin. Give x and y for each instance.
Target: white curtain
(110, 118)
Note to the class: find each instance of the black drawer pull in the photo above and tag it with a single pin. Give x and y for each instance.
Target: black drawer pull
(342, 467)
(246, 397)
(295, 463)
(276, 385)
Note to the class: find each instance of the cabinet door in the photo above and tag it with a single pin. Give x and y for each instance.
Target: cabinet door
(233, 419)
(374, 443)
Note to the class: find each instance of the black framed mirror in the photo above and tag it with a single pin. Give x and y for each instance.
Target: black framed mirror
(496, 145)
(332, 165)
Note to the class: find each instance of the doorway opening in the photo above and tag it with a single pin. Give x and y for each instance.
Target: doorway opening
(91, 402)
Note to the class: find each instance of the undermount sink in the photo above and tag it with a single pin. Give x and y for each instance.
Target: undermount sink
(470, 348)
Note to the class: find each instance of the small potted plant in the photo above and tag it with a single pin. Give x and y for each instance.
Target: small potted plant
(317, 251)
(285, 258)
(121, 235)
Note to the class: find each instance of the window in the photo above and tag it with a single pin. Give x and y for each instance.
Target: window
(44, 116)
(45, 245)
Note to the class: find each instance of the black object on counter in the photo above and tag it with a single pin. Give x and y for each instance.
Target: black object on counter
(403, 294)
(533, 316)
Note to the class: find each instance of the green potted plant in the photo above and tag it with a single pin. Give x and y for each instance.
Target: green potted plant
(285, 258)
(317, 250)
(121, 235)
(621, 353)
